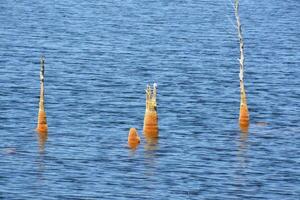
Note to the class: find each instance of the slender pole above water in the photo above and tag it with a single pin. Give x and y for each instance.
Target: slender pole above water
(244, 113)
(42, 121)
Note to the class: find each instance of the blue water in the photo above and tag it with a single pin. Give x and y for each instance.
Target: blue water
(99, 57)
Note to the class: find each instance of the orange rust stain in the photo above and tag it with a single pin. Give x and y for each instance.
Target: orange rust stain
(244, 128)
(244, 115)
(42, 126)
(151, 124)
(133, 138)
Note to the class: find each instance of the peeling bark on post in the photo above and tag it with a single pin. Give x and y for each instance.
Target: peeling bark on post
(244, 113)
(42, 126)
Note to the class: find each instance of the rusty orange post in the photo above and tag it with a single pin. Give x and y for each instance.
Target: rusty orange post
(42, 126)
(244, 113)
(151, 119)
(133, 138)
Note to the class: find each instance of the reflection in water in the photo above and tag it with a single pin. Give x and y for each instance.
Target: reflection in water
(151, 143)
(131, 151)
(242, 149)
(241, 179)
(42, 138)
(41, 166)
(244, 128)
(151, 147)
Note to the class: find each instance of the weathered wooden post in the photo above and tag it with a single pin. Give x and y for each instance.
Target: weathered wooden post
(151, 119)
(244, 113)
(42, 126)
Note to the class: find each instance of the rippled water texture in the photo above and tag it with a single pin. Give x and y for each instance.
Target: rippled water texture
(99, 57)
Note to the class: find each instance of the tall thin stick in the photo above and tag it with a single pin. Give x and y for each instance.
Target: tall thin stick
(42, 89)
(42, 121)
(244, 113)
(239, 28)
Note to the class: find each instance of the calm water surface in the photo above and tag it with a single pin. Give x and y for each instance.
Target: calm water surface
(99, 57)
